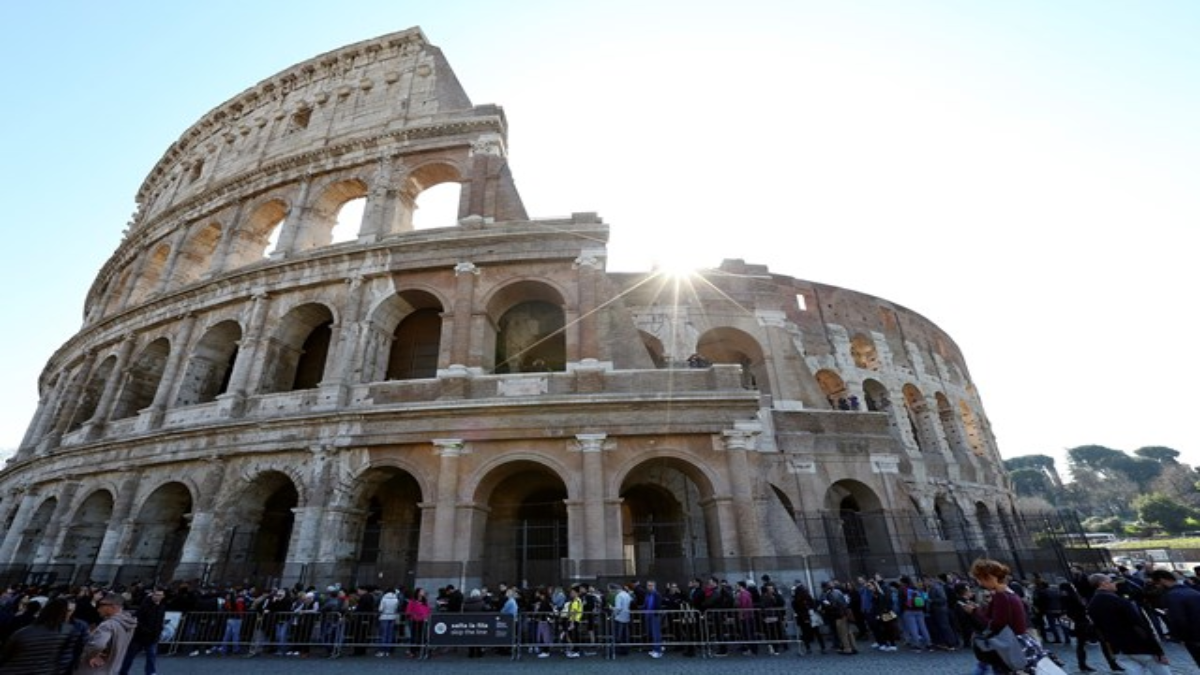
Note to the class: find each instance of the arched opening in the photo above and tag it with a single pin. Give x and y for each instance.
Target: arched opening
(152, 274)
(195, 257)
(834, 388)
(92, 391)
(431, 194)
(732, 346)
(664, 531)
(974, 430)
(295, 359)
(211, 365)
(654, 347)
(116, 291)
(142, 379)
(416, 345)
(526, 533)
(918, 419)
(258, 235)
(862, 350)
(952, 522)
(31, 537)
(877, 396)
(861, 541)
(530, 339)
(85, 535)
(261, 522)
(349, 221)
(391, 529)
(334, 217)
(437, 206)
(990, 534)
(160, 530)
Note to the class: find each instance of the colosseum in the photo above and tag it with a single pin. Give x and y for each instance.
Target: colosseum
(258, 393)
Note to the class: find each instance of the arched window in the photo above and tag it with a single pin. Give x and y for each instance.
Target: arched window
(531, 339)
(862, 350)
(296, 357)
(257, 237)
(431, 194)
(733, 346)
(416, 344)
(211, 365)
(196, 254)
(144, 376)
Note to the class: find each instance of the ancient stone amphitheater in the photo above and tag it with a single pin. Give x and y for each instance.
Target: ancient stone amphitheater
(257, 396)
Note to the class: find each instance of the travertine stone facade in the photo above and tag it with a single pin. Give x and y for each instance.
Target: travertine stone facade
(251, 397)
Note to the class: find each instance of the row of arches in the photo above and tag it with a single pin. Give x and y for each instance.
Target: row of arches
(955, 427)
(286, 224)
(378, 525)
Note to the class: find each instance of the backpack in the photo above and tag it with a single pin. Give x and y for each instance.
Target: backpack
(916, 599)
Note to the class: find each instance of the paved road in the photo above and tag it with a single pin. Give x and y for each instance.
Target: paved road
(957, 663)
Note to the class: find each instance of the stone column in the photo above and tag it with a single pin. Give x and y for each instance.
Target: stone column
(343, 343)
(116, 380)
(595, 535)
(12, 538)
(119, 529)
(198, 548)
(738, 442)
(292, 238)
(44, 416)
(168, 386)
(74, 393)
(465, 275)
(220, 257)
(249, 347)
(590, 268)
(52, 537)
(380, 213)
(442, 545)
(172, 260)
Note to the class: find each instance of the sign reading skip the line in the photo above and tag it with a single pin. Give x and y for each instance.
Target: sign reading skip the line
(471, 629)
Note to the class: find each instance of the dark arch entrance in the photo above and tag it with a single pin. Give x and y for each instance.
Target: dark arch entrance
(526, 535)
(260, 528)
(391, 529)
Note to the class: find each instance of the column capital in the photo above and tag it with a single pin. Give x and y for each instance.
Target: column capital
(743, 436)
(590, 258)
(465, 267)
(592, 442)
(449, 447)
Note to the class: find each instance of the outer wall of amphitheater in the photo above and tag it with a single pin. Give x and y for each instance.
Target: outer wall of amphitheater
(257, 395)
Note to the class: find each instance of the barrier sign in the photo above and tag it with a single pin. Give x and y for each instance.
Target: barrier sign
(475, 630)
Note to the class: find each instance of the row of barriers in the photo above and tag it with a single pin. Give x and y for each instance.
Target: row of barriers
(333, 635)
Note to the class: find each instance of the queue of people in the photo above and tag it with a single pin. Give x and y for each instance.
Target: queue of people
(1126, 614)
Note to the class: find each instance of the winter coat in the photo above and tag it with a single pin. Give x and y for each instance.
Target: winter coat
(111, 638)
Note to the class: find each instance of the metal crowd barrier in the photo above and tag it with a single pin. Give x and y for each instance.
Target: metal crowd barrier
(688, 632)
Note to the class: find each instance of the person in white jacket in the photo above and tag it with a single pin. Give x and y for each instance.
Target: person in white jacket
(389, 613)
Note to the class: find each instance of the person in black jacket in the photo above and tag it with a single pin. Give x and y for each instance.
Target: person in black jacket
(150, 616)
(40, 646)
(1121, 623)
(1183, 610)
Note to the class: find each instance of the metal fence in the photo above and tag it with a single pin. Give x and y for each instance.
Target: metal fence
(841, 545)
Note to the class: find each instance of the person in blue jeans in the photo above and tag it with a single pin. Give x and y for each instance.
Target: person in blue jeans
(150, 615)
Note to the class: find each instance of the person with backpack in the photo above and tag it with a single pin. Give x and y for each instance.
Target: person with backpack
(836, 612)
(912, 616)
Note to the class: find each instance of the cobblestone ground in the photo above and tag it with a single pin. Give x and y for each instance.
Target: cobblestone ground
(956, 663)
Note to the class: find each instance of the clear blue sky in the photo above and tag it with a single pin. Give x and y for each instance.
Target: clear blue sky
(1025, 174)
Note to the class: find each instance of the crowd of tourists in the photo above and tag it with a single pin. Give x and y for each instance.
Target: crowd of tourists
(1120, 613)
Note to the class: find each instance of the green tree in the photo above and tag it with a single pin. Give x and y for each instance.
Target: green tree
(1158, 453)
(1032, 483)
(1140, 471)
(1159, 509)
(1094, 457)
(1042, 463)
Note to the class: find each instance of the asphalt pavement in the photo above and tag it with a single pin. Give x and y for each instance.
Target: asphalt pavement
(869, 661)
